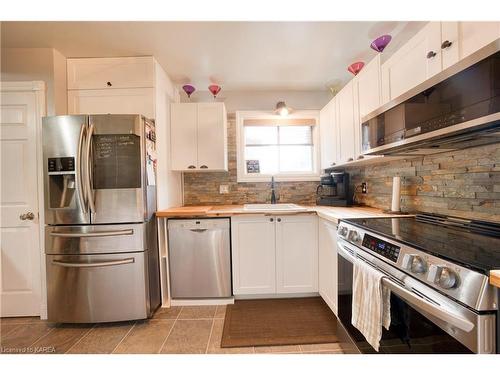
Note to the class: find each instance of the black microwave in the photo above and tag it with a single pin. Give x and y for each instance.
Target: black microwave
(446, 113)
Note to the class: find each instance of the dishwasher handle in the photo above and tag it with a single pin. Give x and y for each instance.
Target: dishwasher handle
(198, 230)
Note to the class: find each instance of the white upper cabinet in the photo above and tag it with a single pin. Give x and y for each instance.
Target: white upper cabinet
(184, 136)
(110, 73)
(198, 137)
(297, 254)
(369, 87)
(212, 136)
(118, 101)
(329, 135)
(418, 60)
(348, 123)
(467, 37)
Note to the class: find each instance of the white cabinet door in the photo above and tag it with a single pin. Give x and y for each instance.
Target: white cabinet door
(297, 254)
(327, 263)
(412, 64)
(369, 89)
(20, 281)
(475, 35)
(184, 139)
(212, 136)
(110, 73)
(253, 255)
(328, 135)
(116, 101)
(347, 123)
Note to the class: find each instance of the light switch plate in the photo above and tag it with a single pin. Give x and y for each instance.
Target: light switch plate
(224, 189)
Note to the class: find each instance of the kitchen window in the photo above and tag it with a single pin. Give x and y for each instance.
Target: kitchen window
(284, 147)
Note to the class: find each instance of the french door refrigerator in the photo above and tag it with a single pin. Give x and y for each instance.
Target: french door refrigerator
(100, 230)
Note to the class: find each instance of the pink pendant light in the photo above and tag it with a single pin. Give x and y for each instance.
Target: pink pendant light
(188, 89)
(356, 67)
(214, 89)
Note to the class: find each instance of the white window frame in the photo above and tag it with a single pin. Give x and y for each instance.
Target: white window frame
(242, 176)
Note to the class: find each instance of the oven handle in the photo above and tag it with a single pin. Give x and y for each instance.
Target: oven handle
(125, 232)
(435, 310)
(91, 265)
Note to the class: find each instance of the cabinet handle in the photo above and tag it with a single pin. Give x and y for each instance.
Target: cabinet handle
(109, 84)
(431, 54)
(191, 167)
(271, 220)
(279, 220)
(203, 167)
(350, 159)
(332, 164)
(360, 157)
(446, 44)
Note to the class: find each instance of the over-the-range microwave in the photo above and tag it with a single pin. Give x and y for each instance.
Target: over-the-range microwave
(456, 109)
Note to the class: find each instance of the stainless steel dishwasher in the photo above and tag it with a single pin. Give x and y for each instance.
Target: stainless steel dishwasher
(199, 258)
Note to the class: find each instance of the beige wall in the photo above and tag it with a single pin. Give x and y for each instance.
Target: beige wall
(38, 64)
(263, 100)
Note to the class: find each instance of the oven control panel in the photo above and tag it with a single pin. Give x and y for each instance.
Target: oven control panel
(384, 248)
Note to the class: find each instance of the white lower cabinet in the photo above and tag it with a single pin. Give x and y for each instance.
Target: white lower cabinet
(327, 260)
(253, 241)
(297, 254)
(274, 254)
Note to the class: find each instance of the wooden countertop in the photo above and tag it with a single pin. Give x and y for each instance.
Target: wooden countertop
(495, 278)
(330, 213)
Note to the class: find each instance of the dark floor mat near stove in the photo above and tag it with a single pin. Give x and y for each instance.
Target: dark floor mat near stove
(289, 321)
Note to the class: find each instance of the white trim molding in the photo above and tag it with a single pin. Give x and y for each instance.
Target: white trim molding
(241, 116)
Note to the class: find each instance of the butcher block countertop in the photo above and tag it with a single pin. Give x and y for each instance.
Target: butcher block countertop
(495, 278)
(330, 213)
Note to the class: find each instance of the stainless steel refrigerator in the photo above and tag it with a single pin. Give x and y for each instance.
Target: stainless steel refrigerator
(100, 230)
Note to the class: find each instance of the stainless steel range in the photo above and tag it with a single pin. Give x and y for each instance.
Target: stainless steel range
(437, 270)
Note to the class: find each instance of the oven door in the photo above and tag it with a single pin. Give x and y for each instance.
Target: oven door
(422, 319)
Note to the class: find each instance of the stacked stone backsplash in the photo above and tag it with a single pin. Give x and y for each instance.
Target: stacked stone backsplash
(463, 183)
(202, 188)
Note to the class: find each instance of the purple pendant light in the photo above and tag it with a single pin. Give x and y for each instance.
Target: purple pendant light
(356, 67)
(381, 42)
(214, 89)
(188, 89)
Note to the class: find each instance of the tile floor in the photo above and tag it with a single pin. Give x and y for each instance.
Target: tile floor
(179, 330)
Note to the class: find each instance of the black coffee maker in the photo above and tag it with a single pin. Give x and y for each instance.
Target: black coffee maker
(334, 190)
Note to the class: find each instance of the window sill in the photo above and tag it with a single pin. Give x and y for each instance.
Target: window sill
(287, 178)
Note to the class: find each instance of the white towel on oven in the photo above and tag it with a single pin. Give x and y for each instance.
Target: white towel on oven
(371, 303)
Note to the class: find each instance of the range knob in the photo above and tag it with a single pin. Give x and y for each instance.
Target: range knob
(414, 263)
(343, 231)
(443, 276)
(354, 236)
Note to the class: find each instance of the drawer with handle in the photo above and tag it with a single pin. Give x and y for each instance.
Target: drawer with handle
(95, 239)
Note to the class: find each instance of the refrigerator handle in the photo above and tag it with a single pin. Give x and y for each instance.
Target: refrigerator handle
(88, 170)
(79, 174)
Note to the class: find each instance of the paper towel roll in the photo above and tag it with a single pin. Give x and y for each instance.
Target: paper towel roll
(396, 193)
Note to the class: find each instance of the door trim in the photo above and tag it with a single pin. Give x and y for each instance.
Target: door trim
(39, 88)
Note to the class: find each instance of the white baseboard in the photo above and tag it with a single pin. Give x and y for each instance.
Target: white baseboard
(202, 302)
(268, 296)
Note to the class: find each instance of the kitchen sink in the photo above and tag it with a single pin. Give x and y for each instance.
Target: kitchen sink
(274, 207)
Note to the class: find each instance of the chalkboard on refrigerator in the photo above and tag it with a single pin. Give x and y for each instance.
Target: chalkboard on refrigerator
(117, 161)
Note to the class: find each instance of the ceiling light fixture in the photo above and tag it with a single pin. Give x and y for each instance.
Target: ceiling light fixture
(282, 109)
(214, 89)
(188, 89)
(356, 67)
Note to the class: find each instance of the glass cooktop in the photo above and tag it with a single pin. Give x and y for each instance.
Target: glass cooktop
(459, 242)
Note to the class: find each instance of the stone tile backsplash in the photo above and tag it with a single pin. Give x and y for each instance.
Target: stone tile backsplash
(462, 183)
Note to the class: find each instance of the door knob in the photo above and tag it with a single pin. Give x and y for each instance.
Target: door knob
(27, 216)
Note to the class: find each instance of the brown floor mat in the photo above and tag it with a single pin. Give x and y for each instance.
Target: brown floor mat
(288, 321)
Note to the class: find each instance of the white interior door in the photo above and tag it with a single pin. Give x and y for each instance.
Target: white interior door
(20, 281)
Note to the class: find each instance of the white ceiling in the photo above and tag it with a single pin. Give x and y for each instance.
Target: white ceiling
(236, 55)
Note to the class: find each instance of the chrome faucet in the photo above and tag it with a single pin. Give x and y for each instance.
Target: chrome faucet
(273, 193)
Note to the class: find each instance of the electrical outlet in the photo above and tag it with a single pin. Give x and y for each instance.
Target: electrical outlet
(224, 189)
(364, 188)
